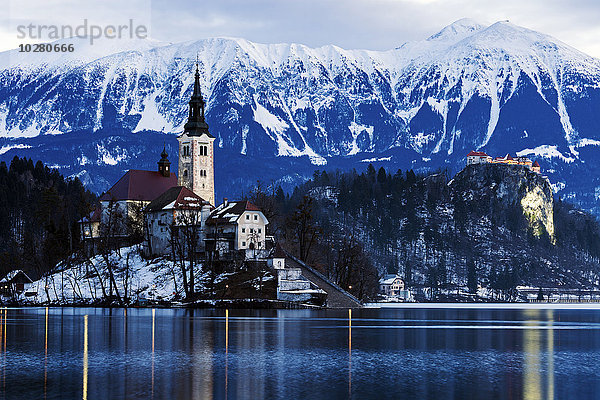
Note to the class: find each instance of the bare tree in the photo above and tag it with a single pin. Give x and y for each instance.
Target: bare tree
(134, 221)
(353, 270)
(303, 228)
(184, 239)
(111, 229)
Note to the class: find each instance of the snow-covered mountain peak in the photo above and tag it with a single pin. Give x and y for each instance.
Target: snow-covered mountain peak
(457, 30)
(83, 52)
(424, 104)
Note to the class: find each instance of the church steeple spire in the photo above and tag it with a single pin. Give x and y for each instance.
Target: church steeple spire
(164, 165)
(196, 124)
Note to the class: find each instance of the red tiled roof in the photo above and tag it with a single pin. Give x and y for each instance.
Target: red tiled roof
(536, 164)
(251, 207)
(140, 185)
(477, 153)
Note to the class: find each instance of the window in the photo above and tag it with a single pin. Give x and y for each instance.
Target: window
(185, 173)
(243, 230)
(243, 244)
(259, 230)
(251, 230)
(186, 150)
(255, 217)
(247, 216)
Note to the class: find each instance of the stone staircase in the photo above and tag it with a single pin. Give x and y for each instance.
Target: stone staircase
(336, 296)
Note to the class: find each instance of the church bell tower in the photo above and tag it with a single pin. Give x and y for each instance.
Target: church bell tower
(164, 165)
(196, 150)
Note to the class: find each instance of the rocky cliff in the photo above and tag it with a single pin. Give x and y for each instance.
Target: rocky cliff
(502, 190)
(496, 226)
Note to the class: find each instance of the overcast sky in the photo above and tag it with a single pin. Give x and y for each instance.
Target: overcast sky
(351, 24)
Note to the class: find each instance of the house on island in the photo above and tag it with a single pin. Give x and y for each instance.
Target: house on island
(176, 220)
(121, 211)
(123, 204)
(237, 225)
(14, 283)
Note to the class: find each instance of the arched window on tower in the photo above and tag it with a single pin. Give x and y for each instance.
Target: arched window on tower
(185, 173)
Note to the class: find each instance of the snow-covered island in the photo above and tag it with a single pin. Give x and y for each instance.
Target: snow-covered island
(139, 281)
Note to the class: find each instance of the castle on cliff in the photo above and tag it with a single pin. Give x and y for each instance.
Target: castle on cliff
(479, 157)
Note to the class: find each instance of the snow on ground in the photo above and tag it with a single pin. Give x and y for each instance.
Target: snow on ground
(156, 279)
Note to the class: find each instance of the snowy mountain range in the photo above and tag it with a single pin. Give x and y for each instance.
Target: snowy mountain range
(281, 110)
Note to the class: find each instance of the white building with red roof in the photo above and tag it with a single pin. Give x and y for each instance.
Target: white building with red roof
(478, 157)
(124, 203)
(176, 218)
(236, 225)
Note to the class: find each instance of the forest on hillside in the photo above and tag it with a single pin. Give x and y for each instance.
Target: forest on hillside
(353, 226)
(357, 226)
(39, 210)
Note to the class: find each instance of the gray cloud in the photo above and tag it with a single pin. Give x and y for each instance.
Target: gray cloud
(368, 24)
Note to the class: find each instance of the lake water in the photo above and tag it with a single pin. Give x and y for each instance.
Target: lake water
(455, 353)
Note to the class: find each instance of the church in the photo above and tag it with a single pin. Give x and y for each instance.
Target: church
(160, 207)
